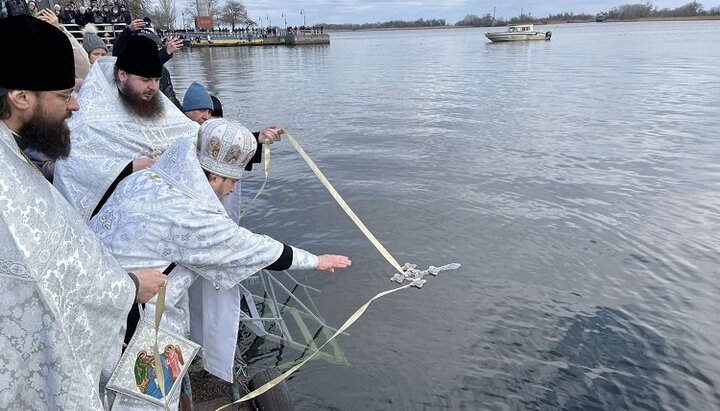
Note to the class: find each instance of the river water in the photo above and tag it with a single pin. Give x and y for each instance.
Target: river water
(576, 181)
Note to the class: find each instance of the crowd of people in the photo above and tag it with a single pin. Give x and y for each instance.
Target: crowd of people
(99, 12)
(306, 30)
(111, 189)
(106, 12)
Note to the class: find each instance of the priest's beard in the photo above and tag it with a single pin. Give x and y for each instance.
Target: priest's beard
(146, 109)
(46, 134)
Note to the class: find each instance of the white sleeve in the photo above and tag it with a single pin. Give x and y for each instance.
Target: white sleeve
(303, 260)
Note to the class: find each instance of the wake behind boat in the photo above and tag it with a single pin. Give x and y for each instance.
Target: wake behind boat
(519, 32)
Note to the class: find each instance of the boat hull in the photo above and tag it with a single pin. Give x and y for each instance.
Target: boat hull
(501, 37)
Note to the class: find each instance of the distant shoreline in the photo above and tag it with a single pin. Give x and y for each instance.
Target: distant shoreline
(398, 28)
(641, 20)
(689, 18)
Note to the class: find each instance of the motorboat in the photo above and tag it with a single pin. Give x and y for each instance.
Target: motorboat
(518, 32)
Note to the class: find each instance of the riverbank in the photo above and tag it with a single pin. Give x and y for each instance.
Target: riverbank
(539, 23)
(690, 18)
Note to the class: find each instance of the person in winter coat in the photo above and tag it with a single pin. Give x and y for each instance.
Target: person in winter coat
(66, 16)
(124, 15)
(16, 8)
(97, 16)
(32, 8)
(81, 18)
(107, 14)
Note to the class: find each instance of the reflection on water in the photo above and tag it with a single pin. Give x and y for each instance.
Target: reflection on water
(605, 354)
(575, 180)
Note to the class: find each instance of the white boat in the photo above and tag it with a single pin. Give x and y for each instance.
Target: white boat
(518, 32)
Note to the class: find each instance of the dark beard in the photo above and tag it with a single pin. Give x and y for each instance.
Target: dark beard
(46, 135)
(147, 109)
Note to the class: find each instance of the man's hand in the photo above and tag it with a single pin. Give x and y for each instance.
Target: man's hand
(150, 282)
(329, 262)
(270, 133)
(141, 163)
(173, 45)
(137, 24)
(48, 16)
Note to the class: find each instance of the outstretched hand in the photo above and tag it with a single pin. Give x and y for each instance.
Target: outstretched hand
(329, 262)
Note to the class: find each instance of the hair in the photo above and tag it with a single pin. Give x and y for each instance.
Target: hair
(116, 77)
(4, 105)
(5, 109)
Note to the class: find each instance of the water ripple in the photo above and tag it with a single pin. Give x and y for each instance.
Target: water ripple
(576, 180)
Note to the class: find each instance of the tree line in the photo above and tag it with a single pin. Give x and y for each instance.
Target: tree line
(392, 24)
(164, 13)
(234, 14)
(622, 12)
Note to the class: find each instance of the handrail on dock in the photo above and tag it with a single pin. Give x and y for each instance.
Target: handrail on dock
(108, 32)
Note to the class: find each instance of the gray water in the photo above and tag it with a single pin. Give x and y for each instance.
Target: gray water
(576, 181)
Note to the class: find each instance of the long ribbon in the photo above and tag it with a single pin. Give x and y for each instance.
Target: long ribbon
(159, 309)
(159, 371)
(360, 311)
(266, 154)
(343, 204)
(350, 321)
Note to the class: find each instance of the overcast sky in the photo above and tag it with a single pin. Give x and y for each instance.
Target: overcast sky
(370, 11)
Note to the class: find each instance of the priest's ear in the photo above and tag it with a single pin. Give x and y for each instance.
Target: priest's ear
(13, 101)
(122, 75)
(119, 75)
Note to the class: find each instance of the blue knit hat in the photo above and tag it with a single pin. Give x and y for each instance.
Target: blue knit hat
(196, 98)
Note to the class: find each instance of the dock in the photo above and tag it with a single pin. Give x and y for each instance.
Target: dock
(109, 32)
(234, 40)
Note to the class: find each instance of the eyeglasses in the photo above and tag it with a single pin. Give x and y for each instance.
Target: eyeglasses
(66, 95)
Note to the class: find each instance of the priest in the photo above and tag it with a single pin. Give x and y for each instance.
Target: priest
(61, 292)
(177, 203)
(123, 124)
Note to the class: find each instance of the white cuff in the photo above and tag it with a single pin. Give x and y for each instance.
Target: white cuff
(303, 260)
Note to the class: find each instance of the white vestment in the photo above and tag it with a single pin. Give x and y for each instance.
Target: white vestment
(61, 294)
(106, 137)
(169, 213)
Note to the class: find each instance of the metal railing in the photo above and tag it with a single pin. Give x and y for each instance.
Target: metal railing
(107, 32)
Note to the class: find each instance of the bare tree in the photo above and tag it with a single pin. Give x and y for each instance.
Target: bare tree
(690, 9)
(192, 8)
(233, 13)
(632, 11)
(474, 20)
(164, 14)
(138, 8)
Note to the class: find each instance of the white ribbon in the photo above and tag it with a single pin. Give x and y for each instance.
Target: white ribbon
(360, 311)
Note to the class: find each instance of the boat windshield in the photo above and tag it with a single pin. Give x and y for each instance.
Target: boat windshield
(517, 29)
